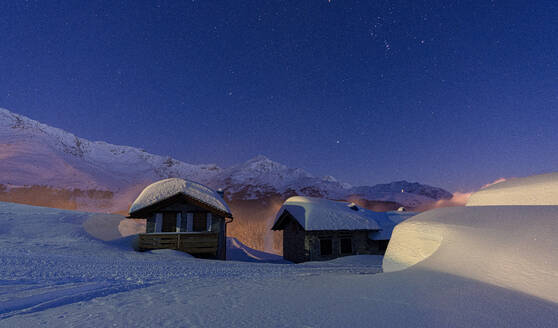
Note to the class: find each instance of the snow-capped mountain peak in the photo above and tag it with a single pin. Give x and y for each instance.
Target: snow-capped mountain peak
(34, 153)
(261, 164)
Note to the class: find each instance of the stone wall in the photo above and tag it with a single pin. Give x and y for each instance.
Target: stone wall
(293, 243)
(360, 244)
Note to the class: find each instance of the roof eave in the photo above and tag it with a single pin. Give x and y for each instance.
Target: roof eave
(282, 221)
(142, 213)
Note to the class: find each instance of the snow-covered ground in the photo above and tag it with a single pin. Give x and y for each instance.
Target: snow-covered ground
(69, 269)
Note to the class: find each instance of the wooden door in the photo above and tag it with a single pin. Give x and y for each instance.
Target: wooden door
(169, 222)
(200, 221)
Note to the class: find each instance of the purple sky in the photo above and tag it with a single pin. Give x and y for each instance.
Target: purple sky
(450, 94)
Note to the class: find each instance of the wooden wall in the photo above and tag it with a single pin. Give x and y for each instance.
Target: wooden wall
(217, 223)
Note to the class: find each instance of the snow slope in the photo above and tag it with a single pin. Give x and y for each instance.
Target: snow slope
(54, 273)
(35, 153)
(32, 153)
(513, 247)
(533, 190)
(237, 251)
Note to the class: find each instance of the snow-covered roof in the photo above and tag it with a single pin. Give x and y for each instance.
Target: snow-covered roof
(323, 214)
(533, 190)
(167, 188)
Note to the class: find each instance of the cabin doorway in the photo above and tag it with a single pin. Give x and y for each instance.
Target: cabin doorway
(169, 222)
(200, 222)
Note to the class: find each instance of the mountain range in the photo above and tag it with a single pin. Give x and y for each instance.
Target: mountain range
(41, 162)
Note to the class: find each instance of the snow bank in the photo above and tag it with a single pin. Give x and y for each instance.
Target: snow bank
(164, 189)
(62, 229)
(237, 251)
(104, 226)
(370, 261)
(508, 246)
(534, 190)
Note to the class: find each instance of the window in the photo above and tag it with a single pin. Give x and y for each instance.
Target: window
(169, 222)
(151, 224)
(200, 221)
(346, 246)
(325, 247)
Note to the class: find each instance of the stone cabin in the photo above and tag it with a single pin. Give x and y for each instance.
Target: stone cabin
(317, 229)
(183, 215)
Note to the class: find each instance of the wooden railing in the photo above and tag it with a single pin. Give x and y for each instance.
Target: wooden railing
(189, 242)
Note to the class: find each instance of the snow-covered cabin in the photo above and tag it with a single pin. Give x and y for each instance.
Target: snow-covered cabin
(183, 215)
(321, 229)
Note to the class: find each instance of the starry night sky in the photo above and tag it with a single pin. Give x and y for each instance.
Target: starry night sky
(453, 94)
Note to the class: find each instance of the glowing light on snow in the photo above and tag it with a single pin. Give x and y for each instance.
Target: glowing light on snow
(459, 198)
(512, 247)
(494, 182)
(533, 190)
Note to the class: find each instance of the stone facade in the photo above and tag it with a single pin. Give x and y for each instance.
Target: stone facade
(300, 245)
(294, 249)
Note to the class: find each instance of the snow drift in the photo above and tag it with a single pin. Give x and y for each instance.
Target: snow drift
(237, 251)
(514, 247)
(533, 190)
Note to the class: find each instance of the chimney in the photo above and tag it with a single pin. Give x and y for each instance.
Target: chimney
(221, 193)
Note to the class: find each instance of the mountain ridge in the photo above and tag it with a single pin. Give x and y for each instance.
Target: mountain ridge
(36, 154)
